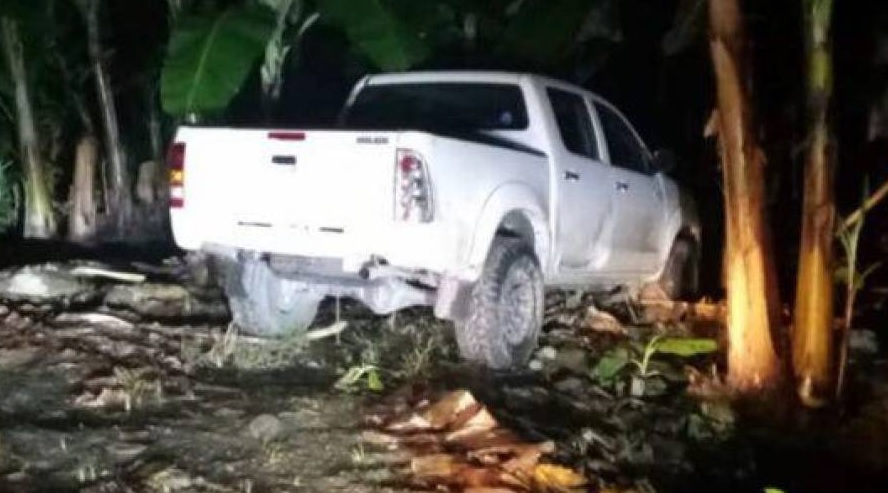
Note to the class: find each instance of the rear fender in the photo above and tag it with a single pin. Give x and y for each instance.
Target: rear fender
(512, 204)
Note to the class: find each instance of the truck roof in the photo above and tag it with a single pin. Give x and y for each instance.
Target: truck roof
(444, 76)
(462, 76)
(491, 76)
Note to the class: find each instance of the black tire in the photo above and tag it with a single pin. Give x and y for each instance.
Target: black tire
(264, 303)
(680, 277)
(505, 308)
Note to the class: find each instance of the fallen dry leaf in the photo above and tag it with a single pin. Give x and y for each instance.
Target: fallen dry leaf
(434, 466)
(449, 409)
(550, 478)
(480, 423)
(490, 489)
(469, 439)
(524, 463)
(465, 416)
(458, 445)
(412, 424)
(515, 454)
(600, 321)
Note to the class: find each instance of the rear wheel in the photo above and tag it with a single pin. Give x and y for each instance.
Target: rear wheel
(505, 308)
(263, 302)
(679, 280)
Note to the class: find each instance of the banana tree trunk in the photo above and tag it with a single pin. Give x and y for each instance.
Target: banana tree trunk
(118, 194)
(753, 366)
(812, 341)
(155, 126)
(82, 218)
(82, 194)
(39, 221)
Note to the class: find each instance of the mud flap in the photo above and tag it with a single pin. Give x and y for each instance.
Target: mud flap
(452, 302)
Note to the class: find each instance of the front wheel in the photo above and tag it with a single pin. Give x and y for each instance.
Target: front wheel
(505, 308)
(680, 277)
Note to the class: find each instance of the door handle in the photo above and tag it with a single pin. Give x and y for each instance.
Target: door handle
(622, 186)
(285, 160)
(571, 176)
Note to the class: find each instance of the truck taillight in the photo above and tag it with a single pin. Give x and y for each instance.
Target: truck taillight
(413, 192)
(176, 163)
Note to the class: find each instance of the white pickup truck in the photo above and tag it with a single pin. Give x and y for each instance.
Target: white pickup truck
(470, 192)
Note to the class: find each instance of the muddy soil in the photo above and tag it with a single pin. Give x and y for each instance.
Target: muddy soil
(133, 398)
(216, 430)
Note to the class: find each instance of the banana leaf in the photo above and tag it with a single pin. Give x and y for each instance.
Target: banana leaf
(686, 347)
(547, 32)
(688, 27)
(210, 58)
(393, 34)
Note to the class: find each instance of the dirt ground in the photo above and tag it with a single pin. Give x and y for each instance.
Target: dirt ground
(281, 430)
(145, 387)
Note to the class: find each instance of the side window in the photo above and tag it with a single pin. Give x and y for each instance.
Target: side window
(625, 150)
(574, 123)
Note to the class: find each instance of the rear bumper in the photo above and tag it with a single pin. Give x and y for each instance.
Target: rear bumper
(387, 268)
(435, 247)
(384, 294)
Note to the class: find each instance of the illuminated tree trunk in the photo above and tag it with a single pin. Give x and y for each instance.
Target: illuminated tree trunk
(812, 337)
(39, 218)
(753, 366)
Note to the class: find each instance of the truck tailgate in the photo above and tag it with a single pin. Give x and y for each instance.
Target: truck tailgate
(272, 187)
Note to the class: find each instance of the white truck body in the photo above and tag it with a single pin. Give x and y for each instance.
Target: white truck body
(322, 206)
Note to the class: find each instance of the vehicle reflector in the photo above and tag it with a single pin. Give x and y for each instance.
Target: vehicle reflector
(286, 135)
(176, 163)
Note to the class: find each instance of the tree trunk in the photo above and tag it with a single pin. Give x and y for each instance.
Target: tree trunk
(753, 366)
(82, 218)
(812, 341)
(39, 221)
(118, 194)
(155, 125)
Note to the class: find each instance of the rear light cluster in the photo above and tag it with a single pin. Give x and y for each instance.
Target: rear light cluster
(413, 192)
(176, 163)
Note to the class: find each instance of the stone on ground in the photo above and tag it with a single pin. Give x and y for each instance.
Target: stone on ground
(42, 284)
(164, 301)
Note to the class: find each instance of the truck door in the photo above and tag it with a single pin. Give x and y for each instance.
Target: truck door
(638, 197)
(584, 220)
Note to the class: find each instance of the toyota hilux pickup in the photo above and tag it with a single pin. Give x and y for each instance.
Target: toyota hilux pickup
(469, 192)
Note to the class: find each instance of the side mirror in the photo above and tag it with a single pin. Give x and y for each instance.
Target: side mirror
(665, 161)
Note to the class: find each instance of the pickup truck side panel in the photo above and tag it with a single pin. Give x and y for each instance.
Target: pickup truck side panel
(471, 195)
(639, 196)
(582, 211)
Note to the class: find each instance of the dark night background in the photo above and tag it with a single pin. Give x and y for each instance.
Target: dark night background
(669, 99)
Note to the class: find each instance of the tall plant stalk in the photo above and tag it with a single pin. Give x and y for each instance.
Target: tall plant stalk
(118, 193)
(753, 366)
(812, 336)
(39, 221)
